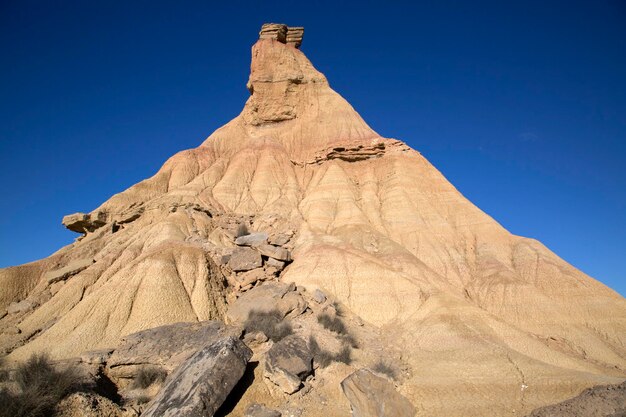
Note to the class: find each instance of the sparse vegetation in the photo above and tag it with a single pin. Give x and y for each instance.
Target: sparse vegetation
(40, 387)
(324, 358)
(147, 376)
(271, 323)
(334, 324)
(385, 368)
(242, 230)
(344, 355)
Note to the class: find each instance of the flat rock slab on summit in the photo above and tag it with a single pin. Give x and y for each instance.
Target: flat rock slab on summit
(200, 385)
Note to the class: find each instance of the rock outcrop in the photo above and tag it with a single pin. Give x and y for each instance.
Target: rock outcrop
(201, 384)
(84, 223)
(291, 36)
(165, 347)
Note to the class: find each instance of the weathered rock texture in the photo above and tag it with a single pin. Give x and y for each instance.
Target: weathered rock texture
(491, 323)
(165, 347)
(288, 362)
(200, 385)
(373, 396)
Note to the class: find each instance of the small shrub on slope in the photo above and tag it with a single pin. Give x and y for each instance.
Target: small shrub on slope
(271, 323)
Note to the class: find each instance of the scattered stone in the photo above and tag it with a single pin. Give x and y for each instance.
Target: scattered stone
(288, 362)
(318, 296)
(280, 239)
(164, 346)
(199, 386)
(270, 296)
(223, 259)
(254, 338)
(84, 222)
(275, 252)
(373, 396)
(250, 277)
(253, 239)
(73, 268)
(275, 263)
(20, 307)
(258, 410)
(245, 259)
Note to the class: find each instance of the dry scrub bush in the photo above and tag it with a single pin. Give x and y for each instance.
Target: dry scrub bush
(324, 358)
(148, 375)
(40, 387)
(271, 323)
(385, 368)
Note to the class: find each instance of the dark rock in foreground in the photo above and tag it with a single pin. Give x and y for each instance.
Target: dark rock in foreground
(200, 385)
(165, 346)
(288, 362)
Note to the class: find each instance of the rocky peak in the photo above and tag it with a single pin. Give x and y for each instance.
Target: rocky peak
(291, 36)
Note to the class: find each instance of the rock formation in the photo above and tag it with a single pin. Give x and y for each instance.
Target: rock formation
(299, 190)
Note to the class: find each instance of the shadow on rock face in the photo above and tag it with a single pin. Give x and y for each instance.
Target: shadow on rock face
(238, 391)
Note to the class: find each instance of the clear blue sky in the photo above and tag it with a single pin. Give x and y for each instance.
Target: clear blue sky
(522, 105)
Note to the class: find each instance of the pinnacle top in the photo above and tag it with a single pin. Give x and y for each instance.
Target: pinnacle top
(282, 33)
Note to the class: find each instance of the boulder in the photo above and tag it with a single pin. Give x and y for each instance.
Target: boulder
(199, 386)
(279, 239)
(245, 259)
(275, 252)
(164, 346)
(373, 396)
(275, 263)
(73, 268)
(250, 277)
(268, 297)
(258, 410)
(84, 222)
(288, 362)
(318, 296)
(253, 239)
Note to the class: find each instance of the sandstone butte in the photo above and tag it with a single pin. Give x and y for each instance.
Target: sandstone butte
(486, 322)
